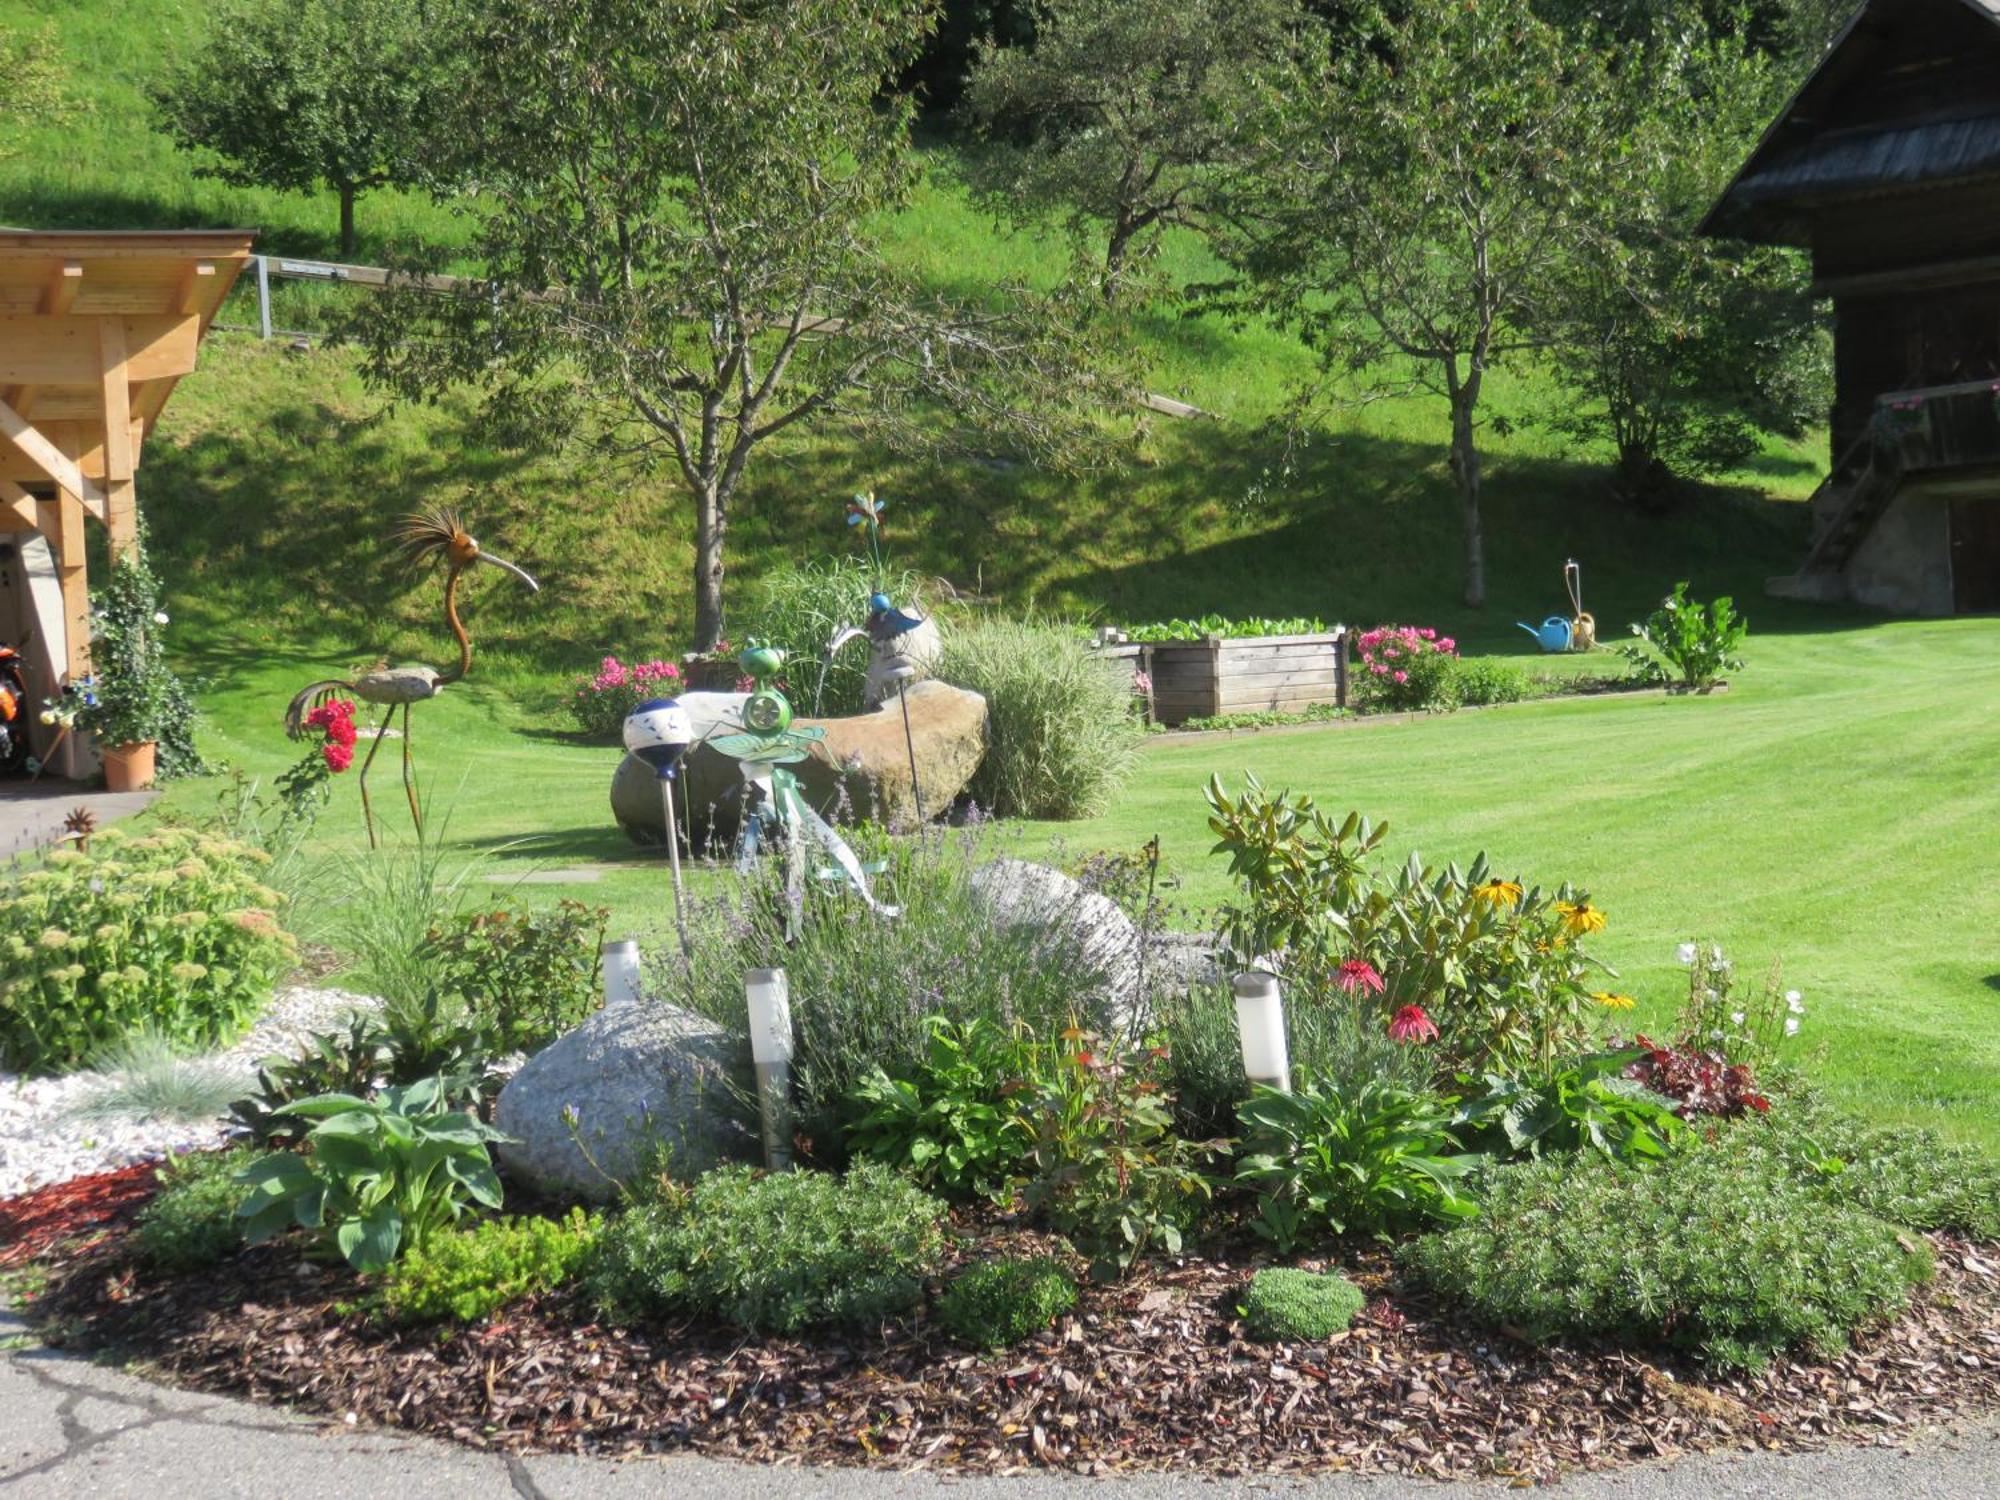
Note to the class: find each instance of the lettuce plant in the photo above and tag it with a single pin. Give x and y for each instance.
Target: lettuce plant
(383, 1173)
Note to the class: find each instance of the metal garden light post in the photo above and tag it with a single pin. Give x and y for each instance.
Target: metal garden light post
(658, 732)
(1260, 1025)
(621, 971)
(771, 1050)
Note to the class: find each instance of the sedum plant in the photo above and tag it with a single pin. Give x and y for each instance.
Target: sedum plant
(172, 931)
(467, 1274)
(1686, 644)
(1284, 1304)
(383, 1174)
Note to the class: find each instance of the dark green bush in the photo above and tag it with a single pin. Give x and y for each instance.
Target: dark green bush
(1715, 1250)
(775, 1254)
(527, 976)
(192, 1222)
(1477, 683)
(951, 1122)
(467, 1274)
(1001, 1302)
(1282, 1304)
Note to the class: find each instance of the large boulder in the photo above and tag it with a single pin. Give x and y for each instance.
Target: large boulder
(861, 769)
(639, 1075)
(1080, 926)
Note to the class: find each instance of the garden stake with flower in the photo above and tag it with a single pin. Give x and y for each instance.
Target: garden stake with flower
(429, 534)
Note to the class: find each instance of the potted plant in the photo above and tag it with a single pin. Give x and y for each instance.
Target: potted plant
(135, 703)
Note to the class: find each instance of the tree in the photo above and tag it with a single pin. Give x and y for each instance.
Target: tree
(34, 92)
(333, 92)
(1677, 348)
(1121, 113)
(676, 201)
(1411, 200)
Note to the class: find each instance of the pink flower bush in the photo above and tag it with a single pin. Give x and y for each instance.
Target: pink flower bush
(1404, 667)
(601, 702)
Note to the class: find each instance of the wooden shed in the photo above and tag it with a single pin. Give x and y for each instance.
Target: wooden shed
(1886, 167)
(95, 331)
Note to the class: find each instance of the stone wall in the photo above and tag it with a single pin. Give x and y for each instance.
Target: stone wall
(1903, 565)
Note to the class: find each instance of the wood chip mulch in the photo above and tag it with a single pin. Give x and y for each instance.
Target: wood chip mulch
(65, 1212)
(1149, 1375)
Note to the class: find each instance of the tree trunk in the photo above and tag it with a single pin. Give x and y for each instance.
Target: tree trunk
(709, 525)
(347, 220)
(1122, 231)
(1465, 473)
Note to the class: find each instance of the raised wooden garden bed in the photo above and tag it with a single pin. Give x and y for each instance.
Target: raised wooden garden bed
(1200, 679)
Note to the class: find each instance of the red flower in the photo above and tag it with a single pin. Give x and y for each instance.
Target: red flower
(338, 756)
(1410, 1024)
(340, 732)
(1359, 974)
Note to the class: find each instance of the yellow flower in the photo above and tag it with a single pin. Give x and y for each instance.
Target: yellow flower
(109, 932)
(1580, 917)
(1612, 1001)
(1498, 893)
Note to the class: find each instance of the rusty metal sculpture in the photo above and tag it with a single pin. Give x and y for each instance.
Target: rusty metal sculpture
(431, 534)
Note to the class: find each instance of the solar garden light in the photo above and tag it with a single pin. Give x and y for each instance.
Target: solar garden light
(658, 732)
(621, 971)
(771, 1051)
(1260, 1025)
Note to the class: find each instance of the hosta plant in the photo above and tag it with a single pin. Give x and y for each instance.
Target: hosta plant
(1584, 1105)
(379, 1175)
(1333, 1159)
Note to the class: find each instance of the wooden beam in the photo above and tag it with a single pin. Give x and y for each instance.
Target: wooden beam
(121, 511)
(44, 455)
(60, 294)
(61, 521)
(198, 275)
(37, 350)
(18, 504)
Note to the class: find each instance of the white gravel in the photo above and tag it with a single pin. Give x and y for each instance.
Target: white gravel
(42, 1142)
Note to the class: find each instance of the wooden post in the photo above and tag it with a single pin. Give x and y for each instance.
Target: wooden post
(1215, 676)
(1341, 658)
(121, 510)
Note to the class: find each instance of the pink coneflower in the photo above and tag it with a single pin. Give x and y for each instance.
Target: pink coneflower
(1410, 1024)
(1359, 974)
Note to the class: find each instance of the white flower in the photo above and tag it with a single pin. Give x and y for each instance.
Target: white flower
(1791, 1025)
(1685, 953)
(48, 716)
(159, 617)
(1715, 1035)
(1795, 1002)
(1736, 1018)
(1719, 964)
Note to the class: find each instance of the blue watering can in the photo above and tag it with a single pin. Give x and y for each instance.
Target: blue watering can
(1551, 635)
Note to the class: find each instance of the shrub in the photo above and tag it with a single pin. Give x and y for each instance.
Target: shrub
(775, 1254)
(1686, 644)
(1712, 1250)
(467, 1274)
(1350, 1159)
(1493, 971)
(192, 1222)
(951, 1122)
(1477, 684)
(875, 985)
(1401, 667)
(1061, 736)
(1583, 1105)
(1285, 1305)
(527, 976)
(383, 1175)
(799, 607)
(172, 930)
(601, 702)
(998, 1303)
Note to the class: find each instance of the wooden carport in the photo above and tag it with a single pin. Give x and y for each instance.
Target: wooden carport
(95, 331)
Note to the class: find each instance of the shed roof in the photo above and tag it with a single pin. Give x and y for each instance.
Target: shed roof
(1809, 157)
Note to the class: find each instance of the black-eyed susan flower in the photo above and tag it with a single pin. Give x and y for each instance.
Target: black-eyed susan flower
(1498, 893)
(1579, 917)
(1611, 1000)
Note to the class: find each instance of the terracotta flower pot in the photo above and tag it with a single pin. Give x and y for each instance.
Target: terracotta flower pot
(127, 768)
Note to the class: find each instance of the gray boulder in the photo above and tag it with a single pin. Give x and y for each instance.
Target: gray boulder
(1080, 927)
(640, 1075)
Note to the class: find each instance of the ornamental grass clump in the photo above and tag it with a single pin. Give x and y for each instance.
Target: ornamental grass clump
(173, 931)
(774, 1254)
(1716, 1251)
(999, 1303)
(1283, 1304)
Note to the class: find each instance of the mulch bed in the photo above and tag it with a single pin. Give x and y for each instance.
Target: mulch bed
(1148, 1375)
(71, 1212)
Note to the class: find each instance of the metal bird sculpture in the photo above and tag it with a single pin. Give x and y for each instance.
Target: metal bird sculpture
(423, 537)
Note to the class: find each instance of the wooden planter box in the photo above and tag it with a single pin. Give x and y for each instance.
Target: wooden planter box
(1241, 674)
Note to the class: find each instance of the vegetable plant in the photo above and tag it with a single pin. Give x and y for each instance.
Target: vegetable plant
(381, 1175)
(1338, 1159)
(1222, 625)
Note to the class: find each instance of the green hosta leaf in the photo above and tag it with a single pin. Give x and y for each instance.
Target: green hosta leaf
(369, 1242)
(319, 1106)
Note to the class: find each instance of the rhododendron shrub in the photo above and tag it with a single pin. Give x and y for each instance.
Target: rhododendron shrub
(601, 702)
(173, 932)
(1404, 667)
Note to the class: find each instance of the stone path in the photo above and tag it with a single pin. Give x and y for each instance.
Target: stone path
(71, 1430)
(32, 813)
